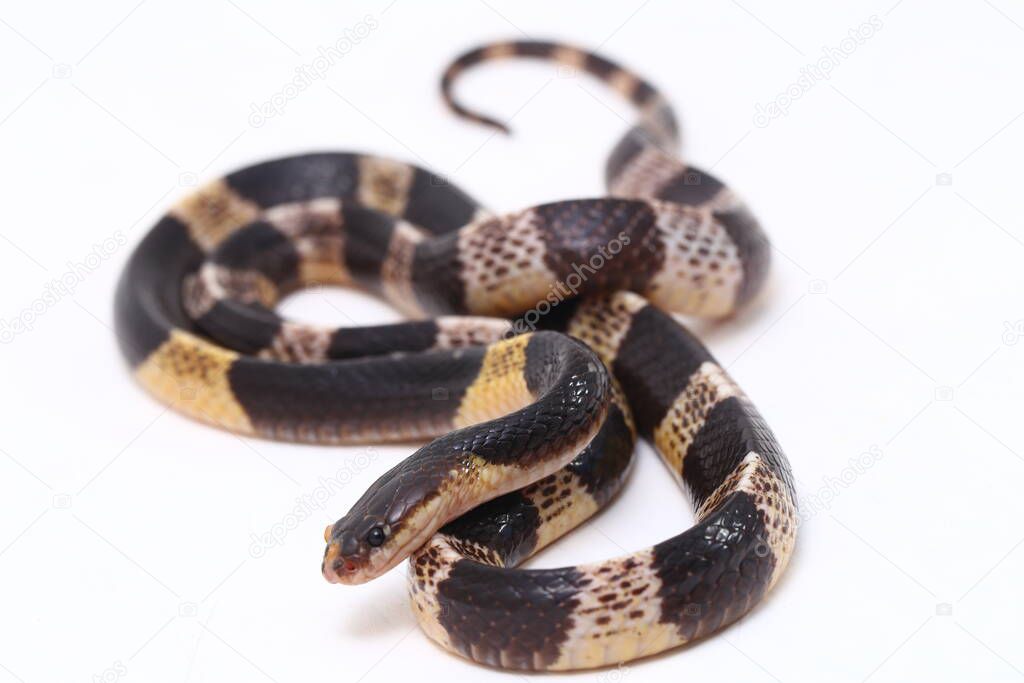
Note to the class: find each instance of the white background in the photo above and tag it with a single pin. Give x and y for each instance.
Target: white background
(890, 327)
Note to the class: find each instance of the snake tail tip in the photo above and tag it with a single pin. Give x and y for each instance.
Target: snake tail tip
(495, 124)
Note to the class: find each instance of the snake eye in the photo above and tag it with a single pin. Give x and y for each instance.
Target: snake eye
(376, 536)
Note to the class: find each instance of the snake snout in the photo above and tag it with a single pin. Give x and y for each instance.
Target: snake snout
(338, 568)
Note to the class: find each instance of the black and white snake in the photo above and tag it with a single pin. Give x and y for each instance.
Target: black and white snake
(532, 410)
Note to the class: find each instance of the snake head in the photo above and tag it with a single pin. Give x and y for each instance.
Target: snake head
(352, 550)
(384, 527)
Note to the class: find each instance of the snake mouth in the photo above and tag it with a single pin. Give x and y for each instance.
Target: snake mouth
(337, 568)
(344, 570)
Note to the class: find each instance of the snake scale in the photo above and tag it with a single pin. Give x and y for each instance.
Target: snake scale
(541, 344)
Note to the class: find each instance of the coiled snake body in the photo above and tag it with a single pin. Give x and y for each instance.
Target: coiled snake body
(533, 418)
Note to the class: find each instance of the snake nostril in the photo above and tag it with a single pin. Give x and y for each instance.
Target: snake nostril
(341, 565)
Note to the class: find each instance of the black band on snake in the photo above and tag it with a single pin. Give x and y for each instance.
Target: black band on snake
(541, 344)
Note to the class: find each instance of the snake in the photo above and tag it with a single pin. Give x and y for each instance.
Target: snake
(539, 345)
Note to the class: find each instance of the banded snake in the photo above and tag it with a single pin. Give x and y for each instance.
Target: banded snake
(541, 345)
